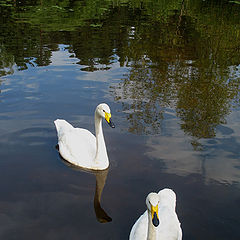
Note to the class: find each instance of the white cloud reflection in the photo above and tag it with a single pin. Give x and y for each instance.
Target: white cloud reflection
(219, 159)
(62, 57)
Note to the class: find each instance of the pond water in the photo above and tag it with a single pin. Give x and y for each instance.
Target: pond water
(170, 72)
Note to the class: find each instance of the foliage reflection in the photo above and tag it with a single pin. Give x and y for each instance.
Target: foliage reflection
(181, 54)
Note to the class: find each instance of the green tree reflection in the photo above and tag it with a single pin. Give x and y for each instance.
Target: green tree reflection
(180, 53)
(185, 64)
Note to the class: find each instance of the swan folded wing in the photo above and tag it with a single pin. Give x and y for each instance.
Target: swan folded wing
(169, 228)
(139, 229)
(62, 127)
(167, 198)
(179, 236)
(169, 224)
(78, 146)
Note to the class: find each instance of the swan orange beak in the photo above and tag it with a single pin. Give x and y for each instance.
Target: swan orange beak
(155, 218)
(108, 119)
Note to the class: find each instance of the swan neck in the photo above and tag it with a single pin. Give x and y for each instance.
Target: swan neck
(152, 231)
(101, 152)
(98, 125)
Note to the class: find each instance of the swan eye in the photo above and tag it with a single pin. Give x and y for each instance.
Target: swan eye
(103, 110)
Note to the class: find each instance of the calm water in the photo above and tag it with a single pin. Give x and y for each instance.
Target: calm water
(170, 72)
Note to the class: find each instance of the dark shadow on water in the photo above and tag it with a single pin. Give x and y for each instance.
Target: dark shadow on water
(101, 176)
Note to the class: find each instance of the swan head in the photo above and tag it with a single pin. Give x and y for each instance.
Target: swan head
(103, 110)
(152, 202)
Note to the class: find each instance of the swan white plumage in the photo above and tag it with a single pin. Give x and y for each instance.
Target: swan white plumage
(159, 221)
(79, 146)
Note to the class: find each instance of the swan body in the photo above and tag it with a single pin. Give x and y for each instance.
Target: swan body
(159, 221)
(79, 146)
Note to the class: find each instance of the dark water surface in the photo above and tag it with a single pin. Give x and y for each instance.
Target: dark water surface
(170, 72)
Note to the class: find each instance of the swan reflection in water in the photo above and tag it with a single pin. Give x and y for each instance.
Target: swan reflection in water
(101, 176)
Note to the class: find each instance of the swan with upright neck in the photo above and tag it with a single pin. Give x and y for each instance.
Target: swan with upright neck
(79, 146)
(159, 221)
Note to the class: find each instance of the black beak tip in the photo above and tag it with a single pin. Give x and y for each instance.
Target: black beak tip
(155, 220)
(111, 124)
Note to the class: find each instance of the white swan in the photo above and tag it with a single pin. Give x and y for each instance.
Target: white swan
(159, 221)
(79, 146)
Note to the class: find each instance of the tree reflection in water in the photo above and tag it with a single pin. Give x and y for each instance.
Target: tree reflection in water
(180, 53)
(178, 67)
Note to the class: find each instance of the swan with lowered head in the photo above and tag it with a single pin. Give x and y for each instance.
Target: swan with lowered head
(79, 146)
(159, 221)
